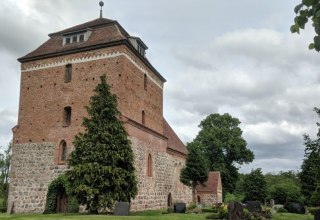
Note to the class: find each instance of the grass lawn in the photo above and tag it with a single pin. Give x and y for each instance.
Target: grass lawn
(289, 216)
(107, 217)
(152, 215)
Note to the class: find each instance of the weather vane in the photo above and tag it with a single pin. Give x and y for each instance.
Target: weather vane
(101, 5)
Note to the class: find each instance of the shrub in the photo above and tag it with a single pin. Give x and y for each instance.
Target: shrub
(282, 210)
(233, 198)
(192, 206)
(313, 210)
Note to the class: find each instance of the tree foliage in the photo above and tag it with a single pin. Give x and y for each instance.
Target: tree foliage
(220, 139)
(102, 169)
(59, 184)
(284, 187)
(5, 159)
(308, 9)
(195, 172)
(310, 172)
(255, 186)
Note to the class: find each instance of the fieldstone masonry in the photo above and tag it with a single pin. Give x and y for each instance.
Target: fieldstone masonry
(32, 170)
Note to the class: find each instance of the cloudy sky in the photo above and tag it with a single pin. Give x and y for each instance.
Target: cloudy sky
(234, 56)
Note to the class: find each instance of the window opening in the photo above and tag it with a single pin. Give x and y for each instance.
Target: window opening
(67, 116)
(68, 73)
(145, 81)
(149, 168)
(143, 117)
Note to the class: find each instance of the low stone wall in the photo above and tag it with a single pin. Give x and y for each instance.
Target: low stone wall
(32, 170)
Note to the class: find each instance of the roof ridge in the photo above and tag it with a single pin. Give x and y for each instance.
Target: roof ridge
(89, 24)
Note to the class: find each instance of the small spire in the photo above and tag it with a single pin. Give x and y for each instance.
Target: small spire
(101, 5)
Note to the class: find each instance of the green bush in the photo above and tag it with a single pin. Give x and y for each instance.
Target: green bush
(55, 187)
(312, 210)
(282, 210)
(233, 198)
(192, 206)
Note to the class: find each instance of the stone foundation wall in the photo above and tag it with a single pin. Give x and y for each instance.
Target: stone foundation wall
(32, 170)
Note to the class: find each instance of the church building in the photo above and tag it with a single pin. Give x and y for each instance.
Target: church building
(57, 81)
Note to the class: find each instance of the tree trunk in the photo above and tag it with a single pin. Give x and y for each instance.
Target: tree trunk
(193, 194)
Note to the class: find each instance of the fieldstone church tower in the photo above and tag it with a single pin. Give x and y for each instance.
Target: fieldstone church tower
(57, 81)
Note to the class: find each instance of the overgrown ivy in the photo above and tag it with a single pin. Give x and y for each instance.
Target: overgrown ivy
(57, 186)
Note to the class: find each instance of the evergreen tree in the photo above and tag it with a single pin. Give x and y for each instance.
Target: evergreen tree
(255, 186)
(195, 172)
(220, 139)
(102, 166)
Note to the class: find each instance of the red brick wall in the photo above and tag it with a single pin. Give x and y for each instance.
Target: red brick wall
(44, 94)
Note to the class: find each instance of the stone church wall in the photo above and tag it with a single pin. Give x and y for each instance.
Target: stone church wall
(32, 170)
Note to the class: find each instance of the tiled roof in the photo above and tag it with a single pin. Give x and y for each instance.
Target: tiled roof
(174, 141)
(109, 33)
(212, 185)
(104, 33)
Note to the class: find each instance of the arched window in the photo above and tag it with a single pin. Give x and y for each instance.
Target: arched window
(68, 73)
(63, 151)
(67, 116)
(149, 165)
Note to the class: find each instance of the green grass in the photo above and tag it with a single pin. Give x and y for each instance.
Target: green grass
(152, 215)
(290, 216)
(134, 216)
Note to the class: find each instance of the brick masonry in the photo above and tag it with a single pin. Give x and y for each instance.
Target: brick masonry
(40, 129)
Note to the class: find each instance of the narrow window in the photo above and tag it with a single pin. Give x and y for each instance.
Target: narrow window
(67, 116)
(81, 37)
(145, 81)
(68, 73)
(143, 118)
(68, 40)
(63, 151)
(149, 168)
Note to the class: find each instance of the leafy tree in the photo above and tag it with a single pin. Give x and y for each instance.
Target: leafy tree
(284, 187)
(308, 9)
(195, 172)
(310, 172)
(223, 146)
(255, 186)
(315, 197)
(102, 169)
(5, 159)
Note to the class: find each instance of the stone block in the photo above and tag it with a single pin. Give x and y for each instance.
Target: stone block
(122, 209)
(180, 207)
(235, 211)
(254, 206)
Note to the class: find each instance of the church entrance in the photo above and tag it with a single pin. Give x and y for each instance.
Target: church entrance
(62, 201)
(169, 200)
(198, 200)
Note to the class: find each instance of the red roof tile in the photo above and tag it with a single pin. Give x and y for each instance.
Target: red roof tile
(174, 141)
(212, 185)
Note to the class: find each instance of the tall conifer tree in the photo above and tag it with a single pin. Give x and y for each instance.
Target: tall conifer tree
(102, 166)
